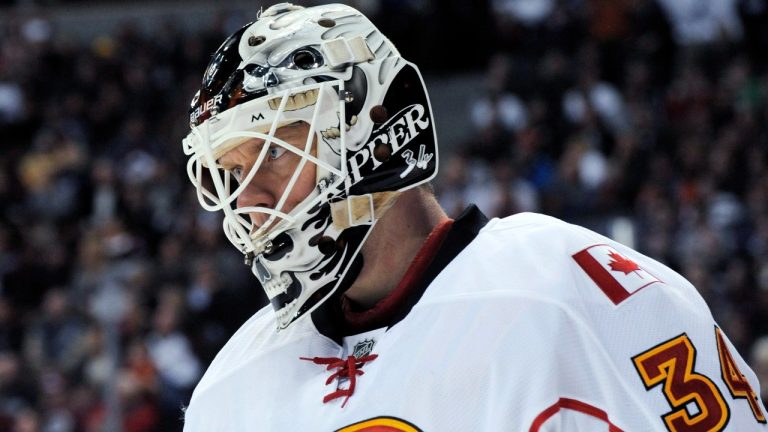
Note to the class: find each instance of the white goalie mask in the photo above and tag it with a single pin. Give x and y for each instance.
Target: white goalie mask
(367, 134)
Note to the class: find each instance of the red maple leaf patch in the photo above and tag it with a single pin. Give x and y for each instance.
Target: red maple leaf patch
(624, 265)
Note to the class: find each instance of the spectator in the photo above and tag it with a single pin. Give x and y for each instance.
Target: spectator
(178, 367)
(702, 22)
(53, 340)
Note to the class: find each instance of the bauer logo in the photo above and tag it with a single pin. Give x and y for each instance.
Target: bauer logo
(204, 108)
(395, 134)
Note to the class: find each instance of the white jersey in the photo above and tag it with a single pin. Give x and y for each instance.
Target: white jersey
(531, 325)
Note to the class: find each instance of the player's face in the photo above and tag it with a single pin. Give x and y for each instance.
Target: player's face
(274, 174)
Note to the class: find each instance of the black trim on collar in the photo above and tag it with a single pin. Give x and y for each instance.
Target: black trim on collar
(328, 317)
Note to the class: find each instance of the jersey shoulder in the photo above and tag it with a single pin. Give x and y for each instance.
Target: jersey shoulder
(539, 256)
(563, 245)
(541, 233)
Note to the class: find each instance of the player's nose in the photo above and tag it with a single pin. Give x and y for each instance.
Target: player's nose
(257, 194)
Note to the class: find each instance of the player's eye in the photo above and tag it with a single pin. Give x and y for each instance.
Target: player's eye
(237, 172)
(275, 152)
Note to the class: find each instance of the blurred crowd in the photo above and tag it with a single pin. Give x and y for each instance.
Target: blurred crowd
(644, 119)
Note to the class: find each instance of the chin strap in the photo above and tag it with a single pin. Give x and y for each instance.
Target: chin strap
(346, 369)
(361, 209)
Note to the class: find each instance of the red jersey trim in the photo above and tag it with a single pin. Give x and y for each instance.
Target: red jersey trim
(575, 405)
(381, 311)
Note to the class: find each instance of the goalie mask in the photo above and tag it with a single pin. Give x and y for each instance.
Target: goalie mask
(333, 123)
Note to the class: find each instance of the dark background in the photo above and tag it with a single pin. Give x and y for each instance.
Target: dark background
(646, 120)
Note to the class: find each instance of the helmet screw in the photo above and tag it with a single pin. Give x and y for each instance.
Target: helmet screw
(382, 152)
(378, 114)
(256, 40)
(326, 245)
(326, 22)
(347, 96)
(269, 247)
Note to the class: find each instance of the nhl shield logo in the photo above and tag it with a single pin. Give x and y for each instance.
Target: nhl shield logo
(363, 348)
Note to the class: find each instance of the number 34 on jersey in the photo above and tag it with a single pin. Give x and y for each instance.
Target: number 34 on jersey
(696, 402)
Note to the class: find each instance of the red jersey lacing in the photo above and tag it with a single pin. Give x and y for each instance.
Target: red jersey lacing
(348, 368)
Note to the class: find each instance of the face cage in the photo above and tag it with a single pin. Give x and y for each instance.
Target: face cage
(204, 153)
